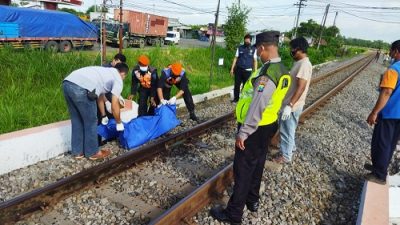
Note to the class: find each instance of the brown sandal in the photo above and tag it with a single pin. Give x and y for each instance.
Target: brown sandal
(100, 154)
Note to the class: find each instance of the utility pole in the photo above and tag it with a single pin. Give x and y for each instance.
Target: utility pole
(239, 4)
(103, 34)
(213, 40)
(323, 25)
(334, 21)
(300, 4)
(120, 27)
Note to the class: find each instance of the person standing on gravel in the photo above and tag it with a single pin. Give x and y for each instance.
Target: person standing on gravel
(174, 74)
(144, 82)
(244, 63)
(257, 116)
(386, 118)
(295, 99)
(82, 88)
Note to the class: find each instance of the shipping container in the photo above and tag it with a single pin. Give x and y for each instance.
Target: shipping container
(139, 28)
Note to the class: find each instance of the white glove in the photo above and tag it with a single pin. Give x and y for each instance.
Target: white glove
(104, 120)
(120, 127)
(172, 101)
(164, 102)
(287, 111)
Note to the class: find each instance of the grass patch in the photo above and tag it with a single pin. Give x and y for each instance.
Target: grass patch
(30, 80)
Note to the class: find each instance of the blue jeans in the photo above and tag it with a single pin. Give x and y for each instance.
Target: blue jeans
(83, 114)
(287, 131)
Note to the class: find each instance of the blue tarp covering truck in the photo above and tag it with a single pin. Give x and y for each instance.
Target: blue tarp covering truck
(48, 29)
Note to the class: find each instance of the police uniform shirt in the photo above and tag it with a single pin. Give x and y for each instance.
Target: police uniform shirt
(263, 91)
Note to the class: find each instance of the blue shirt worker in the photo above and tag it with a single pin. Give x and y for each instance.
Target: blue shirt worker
(386, 118)
(244, 63)
(82, 89)
(175, 75)
(295, 100)
(144, 82)
(257, 115)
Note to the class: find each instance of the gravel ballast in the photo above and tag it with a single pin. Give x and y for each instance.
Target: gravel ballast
(324, 182)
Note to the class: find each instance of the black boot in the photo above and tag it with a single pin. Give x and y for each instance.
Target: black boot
(253, 207)
(194, 117)
(221, 215)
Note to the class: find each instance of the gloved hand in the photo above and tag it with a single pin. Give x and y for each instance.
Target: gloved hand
(172, 101)
(287, 111)
(120, 127)
(164, 102)
(104, 120)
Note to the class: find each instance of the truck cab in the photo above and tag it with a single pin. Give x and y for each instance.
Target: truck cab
(172, 37)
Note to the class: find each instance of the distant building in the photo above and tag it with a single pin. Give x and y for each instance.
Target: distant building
(175, 25)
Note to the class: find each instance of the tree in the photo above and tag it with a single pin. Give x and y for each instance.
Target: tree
(72, 11)
(98, 9)
(235, 26)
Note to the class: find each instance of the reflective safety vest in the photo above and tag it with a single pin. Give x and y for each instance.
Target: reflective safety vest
(171, 79)
(145, 80)
(282, 80)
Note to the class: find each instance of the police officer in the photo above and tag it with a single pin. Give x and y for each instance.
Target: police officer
(174, 74)
(144, 82)
(257, 115)
(244, 63)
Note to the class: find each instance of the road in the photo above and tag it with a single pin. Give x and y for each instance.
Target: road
(184, 43)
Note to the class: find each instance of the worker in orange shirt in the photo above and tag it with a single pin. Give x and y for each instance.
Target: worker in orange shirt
(174, 74)
(144, 82)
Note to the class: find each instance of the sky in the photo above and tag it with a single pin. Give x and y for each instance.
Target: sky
(365, 19)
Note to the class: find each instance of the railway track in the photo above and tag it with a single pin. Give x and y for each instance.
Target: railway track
(110, 181)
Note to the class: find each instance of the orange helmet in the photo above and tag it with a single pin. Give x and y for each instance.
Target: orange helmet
(144, 60)
(176, 69)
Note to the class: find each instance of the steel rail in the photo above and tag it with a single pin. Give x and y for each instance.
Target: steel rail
(22, 206)
(215, 186)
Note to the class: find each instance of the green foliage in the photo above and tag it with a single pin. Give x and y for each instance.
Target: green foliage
(31, 95)
(72, 11)
(235, 26)
(98, 9)
(378, 44)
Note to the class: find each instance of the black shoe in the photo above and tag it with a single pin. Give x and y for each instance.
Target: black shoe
(234, 101)
(220, 215)
(194, 117)
(253, 207)
(368, 167)
(373, 178)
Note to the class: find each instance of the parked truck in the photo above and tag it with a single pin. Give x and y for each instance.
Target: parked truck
(46, 29)
(139, 29)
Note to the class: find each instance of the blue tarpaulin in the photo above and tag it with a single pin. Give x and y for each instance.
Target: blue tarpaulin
(143, 129)
(35, 23)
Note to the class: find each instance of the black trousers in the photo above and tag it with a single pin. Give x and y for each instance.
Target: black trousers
(146, 109)
(187, 97)
(241, 76)
(248, 166)
(384, 140)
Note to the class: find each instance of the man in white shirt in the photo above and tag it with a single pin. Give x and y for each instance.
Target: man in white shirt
(82, 89)
(295, 99)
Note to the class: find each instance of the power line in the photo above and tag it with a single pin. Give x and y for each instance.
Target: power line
(365, 18)
(300, 5)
